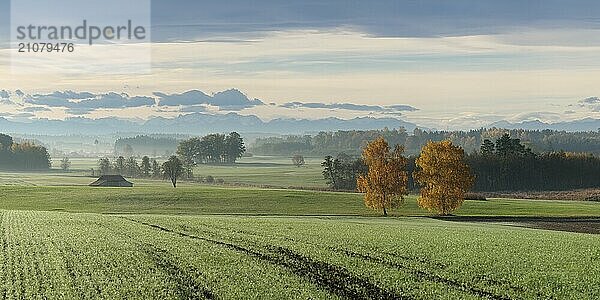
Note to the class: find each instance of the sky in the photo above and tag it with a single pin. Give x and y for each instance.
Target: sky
(442, 64)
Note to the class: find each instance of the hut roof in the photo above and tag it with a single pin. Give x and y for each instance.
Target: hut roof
(112, 181)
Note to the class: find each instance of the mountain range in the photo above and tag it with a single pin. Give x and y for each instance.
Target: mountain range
(196, 124)
(587, 124)
(201, 123)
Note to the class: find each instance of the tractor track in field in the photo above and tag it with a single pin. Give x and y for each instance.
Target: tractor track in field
(419, 274)
(333, 278)
(187, 286)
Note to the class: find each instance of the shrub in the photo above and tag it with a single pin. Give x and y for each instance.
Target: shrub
(220, 181)
(593, 198)
(209, 179)
(475, 196)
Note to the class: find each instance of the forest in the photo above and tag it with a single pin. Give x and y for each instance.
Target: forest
(212, 149)
(350, 142)
(23, 156)
(505, 164)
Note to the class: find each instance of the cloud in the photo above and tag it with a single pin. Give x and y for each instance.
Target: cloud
(34, 109)
(6, 101)
(187, 98)
(5, 98)
(591, 100)
(536, 116)
(114, 100)
(85, 101)
(592, 103)
(350, 106)
(402, 107)
(193, 109)
(24, 115)
(79, 111)
(189, 19)
(58, 99)
(232, 99)
(347, 106)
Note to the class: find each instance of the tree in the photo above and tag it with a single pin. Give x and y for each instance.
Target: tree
(341, 173)
(65, 164)
(172, 170)
(23, 156)
(298, 160)
(385, 184)
(190, 152)
(6, 141)
(213, 148)
(132, 169)
(444, 177)
(488, 147)
(120, 165)
(234, 147)
(156, 171)
(145, 166)
(188, 169)
(104, 166)
(329, 171)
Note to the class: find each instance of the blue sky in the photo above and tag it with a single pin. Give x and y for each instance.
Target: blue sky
(416, 18)
(462, 63)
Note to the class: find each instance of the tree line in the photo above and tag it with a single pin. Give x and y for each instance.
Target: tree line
(211, 149)
(508, 165)
(350, 142)
(172, 169)
(22, 156)
(146, 168)
(505, 164)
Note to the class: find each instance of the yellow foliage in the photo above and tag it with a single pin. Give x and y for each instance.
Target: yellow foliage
(385, 185)
(444, 177)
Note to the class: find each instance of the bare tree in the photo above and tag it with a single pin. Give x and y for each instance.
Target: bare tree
(172, 170)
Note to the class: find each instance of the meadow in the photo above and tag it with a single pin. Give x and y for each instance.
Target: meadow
(64, 240)
(271, 171)
(95, 256)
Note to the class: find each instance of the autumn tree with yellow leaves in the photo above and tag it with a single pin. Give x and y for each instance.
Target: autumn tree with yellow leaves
(444, 177)
(385, 184)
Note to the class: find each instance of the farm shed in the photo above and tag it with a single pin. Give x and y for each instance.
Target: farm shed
(111, 181)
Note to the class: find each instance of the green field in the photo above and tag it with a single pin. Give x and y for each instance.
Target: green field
(70, 255)
(64, 240)
(253, 171)
(194, 200)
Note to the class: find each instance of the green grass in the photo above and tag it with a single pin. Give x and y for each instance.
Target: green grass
(62, 240)
(277, 172)
(252, 201)
(253, 171)
(68, 255)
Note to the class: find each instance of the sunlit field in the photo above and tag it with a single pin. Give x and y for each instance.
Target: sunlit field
(63, 239)
(226, 257)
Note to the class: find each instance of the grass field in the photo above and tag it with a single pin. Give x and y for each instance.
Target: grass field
(253, 171)
(63, 240)
(69, 255)
(251, 201)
